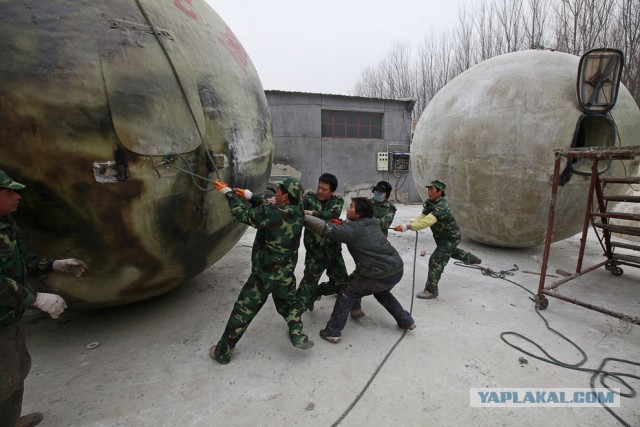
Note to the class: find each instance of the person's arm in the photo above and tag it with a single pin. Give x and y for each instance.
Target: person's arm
(13, 297)
(344, 233)
(315, 225)
(387, 216)
(256, 216)
(34, 264)
(12, 294)
(12, 253)
(332, 209)
(421, 222)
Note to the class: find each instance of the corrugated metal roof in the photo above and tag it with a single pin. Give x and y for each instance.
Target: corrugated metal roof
(409, 101)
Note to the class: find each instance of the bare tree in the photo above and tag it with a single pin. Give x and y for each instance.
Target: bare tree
(535, 24)
(393, 77)
(583, 24)
(495, 27)
(509, 13)
(488, 43)
(627, 38)
(371, 84)
(464, 46)
(434, 68)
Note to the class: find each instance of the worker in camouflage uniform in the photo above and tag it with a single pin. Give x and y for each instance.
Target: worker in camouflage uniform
(321, 254)
(273, 261)
(383, 211)
(16, 262)
(437, 214)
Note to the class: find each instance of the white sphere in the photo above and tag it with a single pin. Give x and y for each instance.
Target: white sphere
(490, 135)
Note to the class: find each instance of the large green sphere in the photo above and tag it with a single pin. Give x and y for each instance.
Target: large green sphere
(108, 109)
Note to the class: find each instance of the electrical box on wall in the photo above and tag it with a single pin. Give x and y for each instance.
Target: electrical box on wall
(399, 161)
(383, 161)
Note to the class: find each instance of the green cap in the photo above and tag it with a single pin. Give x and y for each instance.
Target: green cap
(7, 182)
(438, 184)
(293, 187)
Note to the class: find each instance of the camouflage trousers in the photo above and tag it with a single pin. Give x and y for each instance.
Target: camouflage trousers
(15, 363)
(314, 266)
(252, 297)
(445, 250)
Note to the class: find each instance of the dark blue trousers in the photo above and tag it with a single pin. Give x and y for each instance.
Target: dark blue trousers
(359, 287)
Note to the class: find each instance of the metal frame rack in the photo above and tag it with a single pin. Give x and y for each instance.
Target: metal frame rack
(598, 217)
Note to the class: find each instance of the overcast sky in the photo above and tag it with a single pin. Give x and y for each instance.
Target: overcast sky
(322, 46)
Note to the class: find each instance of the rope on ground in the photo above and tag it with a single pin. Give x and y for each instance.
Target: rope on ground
(375, 373)
(604, 375)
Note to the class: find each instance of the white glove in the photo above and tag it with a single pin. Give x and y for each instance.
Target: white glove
(50, 303)
(69, 265)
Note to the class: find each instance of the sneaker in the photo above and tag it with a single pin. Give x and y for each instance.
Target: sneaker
(426, 295)
(325, 336)
(357, 313)
(411, 327)
(476, 261)
(212, 354)
(30, 420)
(304, 345)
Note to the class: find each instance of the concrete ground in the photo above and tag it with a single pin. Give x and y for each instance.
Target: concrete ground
(152, 368)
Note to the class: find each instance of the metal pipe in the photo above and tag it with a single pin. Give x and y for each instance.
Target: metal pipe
(587, 218)
(626, 318)
(552, 210)
(573, 276)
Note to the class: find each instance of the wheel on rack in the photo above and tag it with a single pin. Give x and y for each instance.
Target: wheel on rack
(616, 271)
(541, 302)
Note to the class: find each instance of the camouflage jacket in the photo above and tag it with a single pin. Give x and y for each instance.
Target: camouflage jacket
(275, 248)
(15, 264)
(384, 212)
(446, 228)
(315, 245)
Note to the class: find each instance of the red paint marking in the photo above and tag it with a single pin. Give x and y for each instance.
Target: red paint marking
(187, 10)
(229, 40)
